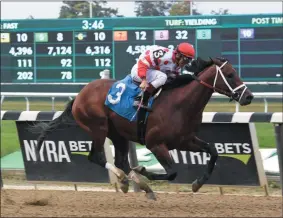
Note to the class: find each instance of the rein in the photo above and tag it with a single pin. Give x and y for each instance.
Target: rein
(232, 94)
(211, 87)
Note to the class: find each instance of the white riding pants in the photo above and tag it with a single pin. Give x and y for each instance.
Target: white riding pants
(155, 77)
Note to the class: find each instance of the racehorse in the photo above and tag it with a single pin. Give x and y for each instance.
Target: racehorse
(172, 124)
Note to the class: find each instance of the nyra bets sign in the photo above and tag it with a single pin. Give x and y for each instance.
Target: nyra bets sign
(236, 164)
(62, 157)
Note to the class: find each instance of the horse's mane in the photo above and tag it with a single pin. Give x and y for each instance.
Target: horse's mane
(196, 66)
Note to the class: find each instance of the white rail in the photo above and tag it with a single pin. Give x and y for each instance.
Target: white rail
(73, 84)
(26, 95)
(54, 94)
(106, 74)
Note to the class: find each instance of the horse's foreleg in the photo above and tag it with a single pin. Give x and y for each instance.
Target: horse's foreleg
(121, 160)
(162, 155)
(99, 131)
(97, 156)
(205, 147)
(121, 154)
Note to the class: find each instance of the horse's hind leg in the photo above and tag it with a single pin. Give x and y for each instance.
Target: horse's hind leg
(205, 147)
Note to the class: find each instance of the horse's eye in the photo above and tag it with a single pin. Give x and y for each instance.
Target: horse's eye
(230, 76)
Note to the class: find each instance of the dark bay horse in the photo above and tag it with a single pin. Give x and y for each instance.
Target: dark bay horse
(173, 123)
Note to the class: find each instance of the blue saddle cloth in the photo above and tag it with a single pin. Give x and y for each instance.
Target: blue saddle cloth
(120, 98)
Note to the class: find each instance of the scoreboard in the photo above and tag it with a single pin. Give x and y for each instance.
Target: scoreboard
(77, 50)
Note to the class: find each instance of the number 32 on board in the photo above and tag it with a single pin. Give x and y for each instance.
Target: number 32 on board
(118, 94)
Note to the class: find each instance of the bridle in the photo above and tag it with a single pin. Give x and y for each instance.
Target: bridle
(232, 94)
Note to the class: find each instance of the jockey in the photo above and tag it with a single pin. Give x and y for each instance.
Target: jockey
(157, 64)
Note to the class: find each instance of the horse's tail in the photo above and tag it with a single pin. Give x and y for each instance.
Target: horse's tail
(45, 128)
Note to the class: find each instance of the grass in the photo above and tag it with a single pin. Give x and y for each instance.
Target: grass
(10, 143)
(266, 135)
(9, 138)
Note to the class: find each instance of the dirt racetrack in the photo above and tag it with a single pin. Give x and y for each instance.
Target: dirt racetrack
(43, 203)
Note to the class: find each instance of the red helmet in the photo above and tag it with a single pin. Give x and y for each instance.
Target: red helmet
(186, 49)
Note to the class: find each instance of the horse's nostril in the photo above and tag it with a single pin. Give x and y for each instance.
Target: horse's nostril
(250, 97)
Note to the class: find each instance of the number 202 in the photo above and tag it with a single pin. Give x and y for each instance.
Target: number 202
(118, 94)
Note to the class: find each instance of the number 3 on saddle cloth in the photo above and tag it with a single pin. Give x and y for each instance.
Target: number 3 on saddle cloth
(121, 98)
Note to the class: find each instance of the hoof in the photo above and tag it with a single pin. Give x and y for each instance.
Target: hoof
(137, 178)
(196, 186)
(139, 169)
(123, 181)
(124, 185)
(150, 196)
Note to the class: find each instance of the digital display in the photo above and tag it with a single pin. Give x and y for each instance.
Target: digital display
(37, 51)
(246, 33)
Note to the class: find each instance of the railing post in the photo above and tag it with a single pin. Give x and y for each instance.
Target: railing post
(53, 105)
(105, 74)
(1, 180)
(2, 99)
(279, 144)
(237, 107)
(265, 105)
(27, 103)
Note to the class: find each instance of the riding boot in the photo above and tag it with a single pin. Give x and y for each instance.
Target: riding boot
(147, 94)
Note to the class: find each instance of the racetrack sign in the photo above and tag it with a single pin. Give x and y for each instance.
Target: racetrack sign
(239, 161)
(63, 156)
